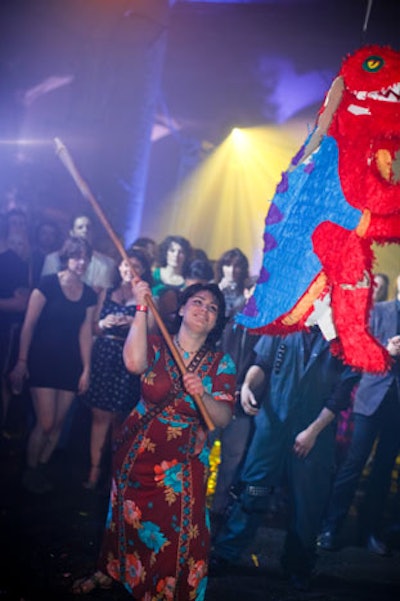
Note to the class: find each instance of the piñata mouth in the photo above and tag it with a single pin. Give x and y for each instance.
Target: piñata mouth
(389, 94)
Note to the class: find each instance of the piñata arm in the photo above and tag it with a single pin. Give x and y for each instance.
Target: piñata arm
(344, 255)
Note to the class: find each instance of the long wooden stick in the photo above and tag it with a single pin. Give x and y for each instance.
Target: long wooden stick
(68, 162)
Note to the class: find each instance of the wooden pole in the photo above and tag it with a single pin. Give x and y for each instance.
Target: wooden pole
(68, 162)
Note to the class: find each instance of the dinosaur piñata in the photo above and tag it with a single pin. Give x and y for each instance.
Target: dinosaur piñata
(340, 194)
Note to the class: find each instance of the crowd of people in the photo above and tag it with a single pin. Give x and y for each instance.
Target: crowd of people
(75, 326)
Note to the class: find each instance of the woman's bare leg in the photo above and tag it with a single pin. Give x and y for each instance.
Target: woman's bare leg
(44, 404)
(101, 423)
(63, 401)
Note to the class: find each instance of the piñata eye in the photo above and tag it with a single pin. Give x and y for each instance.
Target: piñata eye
(373, 63)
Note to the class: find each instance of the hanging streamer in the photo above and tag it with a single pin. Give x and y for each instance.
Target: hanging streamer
(367, 14)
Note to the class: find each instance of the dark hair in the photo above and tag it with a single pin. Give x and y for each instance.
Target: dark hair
(53, 225)
(200, 269)
(194, 289)
(199, 253)
(143, 244)
(74, 248)
(143, 241)
(143, 258)
(79, 216)
(234, 255)
(166, 243)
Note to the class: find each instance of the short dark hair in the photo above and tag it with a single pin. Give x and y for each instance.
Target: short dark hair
(48, 223)
(74, 248)
(200, 269)
(79, 216)
(166, 243)
(194, 289)
(143, 241)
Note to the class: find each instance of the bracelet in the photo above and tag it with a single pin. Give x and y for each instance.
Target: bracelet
(101, 324)
(143, 308)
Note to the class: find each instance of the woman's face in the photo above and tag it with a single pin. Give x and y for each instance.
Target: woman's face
(78, 265)
(200, 312)
(232, 273)
(125, 269)
(82, 228)
(175, 256)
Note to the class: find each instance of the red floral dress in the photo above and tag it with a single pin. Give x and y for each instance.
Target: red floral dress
(157, 533)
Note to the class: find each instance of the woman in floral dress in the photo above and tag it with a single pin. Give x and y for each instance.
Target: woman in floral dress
(157, 534)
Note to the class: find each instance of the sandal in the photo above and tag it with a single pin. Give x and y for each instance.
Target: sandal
(86, 585)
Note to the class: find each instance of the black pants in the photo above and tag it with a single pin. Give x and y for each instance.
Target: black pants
(385, 423)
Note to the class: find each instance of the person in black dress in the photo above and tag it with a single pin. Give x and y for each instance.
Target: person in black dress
(54, 354)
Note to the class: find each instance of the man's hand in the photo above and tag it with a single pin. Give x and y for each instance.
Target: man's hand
(248, 400)
(304, 442)
(393, 346)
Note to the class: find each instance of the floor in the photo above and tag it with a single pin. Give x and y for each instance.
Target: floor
(50, 540)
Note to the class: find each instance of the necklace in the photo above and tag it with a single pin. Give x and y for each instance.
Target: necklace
(186, 354)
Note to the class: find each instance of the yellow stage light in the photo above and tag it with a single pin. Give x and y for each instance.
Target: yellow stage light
(223, 204)
(237, 134)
